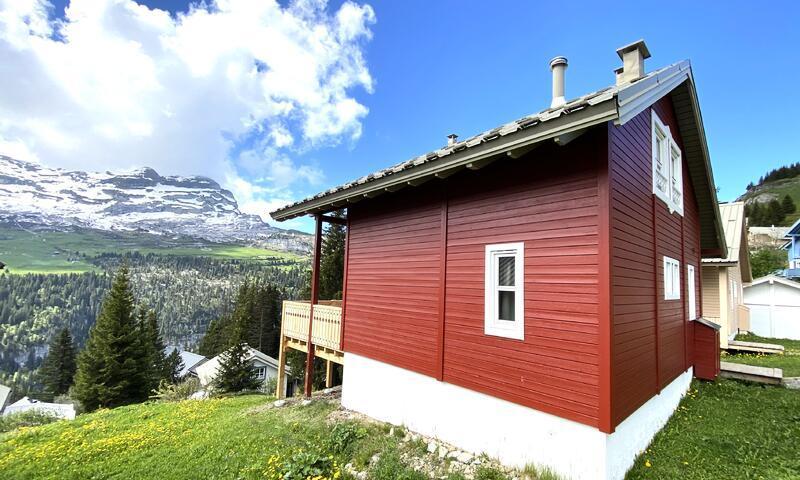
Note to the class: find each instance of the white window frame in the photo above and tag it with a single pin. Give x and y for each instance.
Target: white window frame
(667, 161)
(492, 324)
(672, 279)
(261, 373)
(691, 290)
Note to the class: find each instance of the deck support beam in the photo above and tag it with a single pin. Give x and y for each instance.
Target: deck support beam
(314, 299)
(328, 374)
(281, 383)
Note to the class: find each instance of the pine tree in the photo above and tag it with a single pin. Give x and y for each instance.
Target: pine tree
(331, 269)
(58, 369)
(154, 357)
(787, 204)
(173, 364)
(110, 370)
(235, 373)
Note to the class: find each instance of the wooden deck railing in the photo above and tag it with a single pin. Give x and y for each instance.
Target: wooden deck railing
(326, 329)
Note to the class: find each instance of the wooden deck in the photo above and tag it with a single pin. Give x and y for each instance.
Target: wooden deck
(750, 373)
(325, 334)
(755, 347)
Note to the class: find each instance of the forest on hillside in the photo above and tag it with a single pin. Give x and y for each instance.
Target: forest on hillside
(186, 292)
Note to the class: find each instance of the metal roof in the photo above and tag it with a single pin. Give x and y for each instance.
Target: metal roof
(616, 103)
(734, 223)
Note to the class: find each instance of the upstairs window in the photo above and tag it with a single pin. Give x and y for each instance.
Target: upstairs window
(672, 279)
(667, 166)
(504, 287)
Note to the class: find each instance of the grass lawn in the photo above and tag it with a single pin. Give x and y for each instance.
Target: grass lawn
(211, 439)
(789, 361)
(66, 252)
(727, 430)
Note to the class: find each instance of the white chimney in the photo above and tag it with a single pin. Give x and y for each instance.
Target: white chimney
(559, 67)
(452, 139)
(632, 56)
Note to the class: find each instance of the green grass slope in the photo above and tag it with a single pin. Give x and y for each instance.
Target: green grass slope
(727, 430)
(43, 251)
(222, 438)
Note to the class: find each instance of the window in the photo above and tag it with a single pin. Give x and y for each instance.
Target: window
(672, 279)
(504, 287)
(667, 166)
(691, 291)
(261, 373)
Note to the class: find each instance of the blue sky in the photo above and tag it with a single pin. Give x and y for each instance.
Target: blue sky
(463, 67)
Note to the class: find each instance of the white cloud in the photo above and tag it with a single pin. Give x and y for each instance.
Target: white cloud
(115, 85)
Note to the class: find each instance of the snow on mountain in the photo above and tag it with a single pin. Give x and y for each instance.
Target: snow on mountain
(141, 200)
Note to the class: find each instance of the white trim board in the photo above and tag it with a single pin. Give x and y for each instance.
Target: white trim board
(514, 434)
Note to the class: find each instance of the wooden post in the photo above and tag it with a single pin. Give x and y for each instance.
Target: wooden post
(328, 374)
(280, 391)
(314, 299)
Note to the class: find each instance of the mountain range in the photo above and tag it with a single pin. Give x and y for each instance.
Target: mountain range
(138, 201)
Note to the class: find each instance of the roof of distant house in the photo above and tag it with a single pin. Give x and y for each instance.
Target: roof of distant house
(190, 360)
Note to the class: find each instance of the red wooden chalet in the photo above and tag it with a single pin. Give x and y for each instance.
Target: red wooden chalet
(530, 292)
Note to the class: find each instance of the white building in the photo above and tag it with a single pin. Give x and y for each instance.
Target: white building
(265, 367)
(25, 404)
(774, 304)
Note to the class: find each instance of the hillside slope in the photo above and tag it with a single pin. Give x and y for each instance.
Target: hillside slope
(775, 190)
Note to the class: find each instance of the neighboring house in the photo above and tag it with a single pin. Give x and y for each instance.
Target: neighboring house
(190, 361)
(774, 304)
(265, 368)
(5, 395)
(724, 278)
(792, 247)
(771, 237)
(25, 404)
(530, 292)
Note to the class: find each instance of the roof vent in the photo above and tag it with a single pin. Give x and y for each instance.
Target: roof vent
(632, 56)
(452, 139)
(559, 67)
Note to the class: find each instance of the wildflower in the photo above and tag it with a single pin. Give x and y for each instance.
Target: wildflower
(647, 464)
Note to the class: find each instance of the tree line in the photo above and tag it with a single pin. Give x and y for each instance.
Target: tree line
(780, 173)
(123, 360)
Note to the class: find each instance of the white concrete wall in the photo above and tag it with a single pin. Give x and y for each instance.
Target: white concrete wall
(514, 434)
(774, 310)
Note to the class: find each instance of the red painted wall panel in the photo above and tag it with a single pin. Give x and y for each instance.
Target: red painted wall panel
(392, 279)
(651, 337)
(548, 200)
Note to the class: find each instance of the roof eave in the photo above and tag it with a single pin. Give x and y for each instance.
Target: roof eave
(587, 117)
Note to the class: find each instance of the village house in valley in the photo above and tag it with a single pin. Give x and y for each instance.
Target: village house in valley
(532, 292)
(724, 278)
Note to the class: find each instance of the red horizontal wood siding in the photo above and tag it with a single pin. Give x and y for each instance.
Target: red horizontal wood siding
(393, 280)
(650, 343)
(549, 201)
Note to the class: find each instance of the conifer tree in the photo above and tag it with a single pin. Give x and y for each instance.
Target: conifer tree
(173, 364)
(235, 372)
(154, 357)
(57, 372)
(787, 204)
(331, 268)
(110, 370)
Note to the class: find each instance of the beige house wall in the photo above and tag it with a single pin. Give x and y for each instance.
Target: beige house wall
(723, 300)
